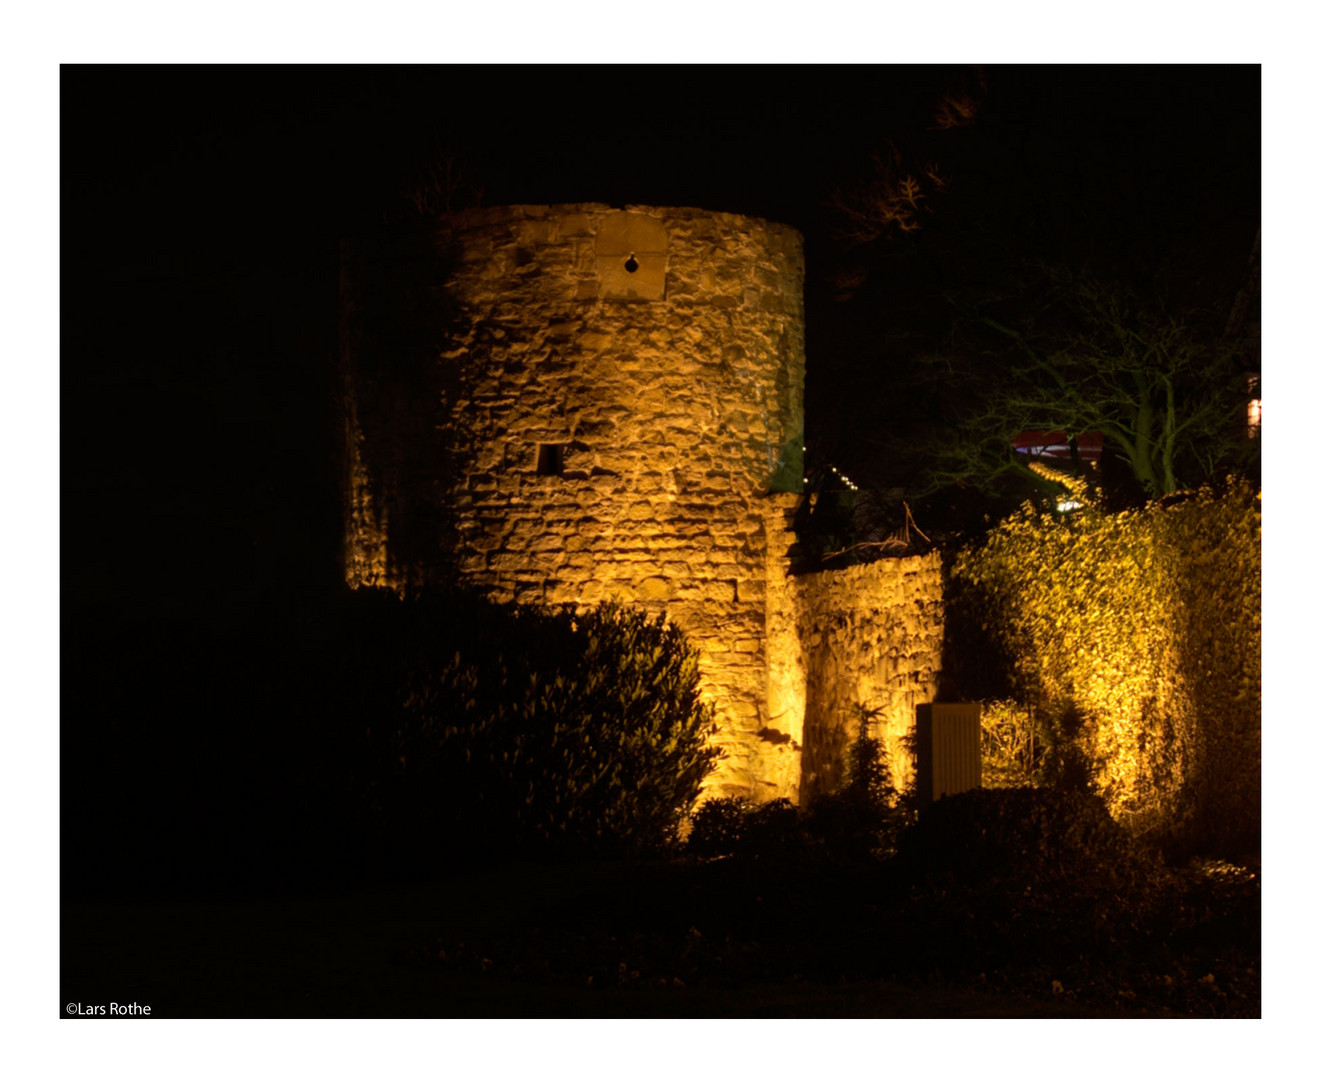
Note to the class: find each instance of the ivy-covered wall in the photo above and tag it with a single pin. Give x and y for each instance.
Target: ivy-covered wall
(1135, 639)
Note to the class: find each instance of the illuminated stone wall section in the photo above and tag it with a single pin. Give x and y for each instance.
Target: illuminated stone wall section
(365, 554)
(872, 637)
(781, 740)
(630, 258)
(627, 383)
(364, 512)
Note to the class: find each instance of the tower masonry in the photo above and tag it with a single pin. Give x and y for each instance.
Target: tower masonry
(573, 404)
(576, 404)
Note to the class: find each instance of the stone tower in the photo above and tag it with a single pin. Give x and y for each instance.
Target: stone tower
(570, 404)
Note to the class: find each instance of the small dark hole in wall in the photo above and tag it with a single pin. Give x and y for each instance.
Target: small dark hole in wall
(632, 264)
(550, 459)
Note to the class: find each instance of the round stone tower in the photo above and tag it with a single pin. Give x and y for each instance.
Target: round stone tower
(576, 403)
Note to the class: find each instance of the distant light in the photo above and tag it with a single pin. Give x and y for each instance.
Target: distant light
(1254, 418)
(1065, 505)
(851, 485)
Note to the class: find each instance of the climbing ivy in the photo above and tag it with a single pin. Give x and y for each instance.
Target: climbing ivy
(1134, 642)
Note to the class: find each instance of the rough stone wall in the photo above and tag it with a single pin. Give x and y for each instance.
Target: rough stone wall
(871, 637)
(600, 409)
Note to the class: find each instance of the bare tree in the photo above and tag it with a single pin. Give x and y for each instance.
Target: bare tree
(1085, 356)
(895, 195)
(442, 184)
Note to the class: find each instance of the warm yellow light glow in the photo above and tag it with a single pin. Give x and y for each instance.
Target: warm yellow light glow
(1146, 627)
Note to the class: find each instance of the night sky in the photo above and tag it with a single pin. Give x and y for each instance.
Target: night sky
(201, 209)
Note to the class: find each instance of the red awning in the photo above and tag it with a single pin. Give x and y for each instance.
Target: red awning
(1055, 444)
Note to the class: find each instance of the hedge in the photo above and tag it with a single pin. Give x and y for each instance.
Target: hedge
(1133, 642)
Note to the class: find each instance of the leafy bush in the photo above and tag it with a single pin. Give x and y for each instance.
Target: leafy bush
(1026, 878)
(500, 729)
(719, 826)
(1011, 745)
(861, 818)
(772, 826)
(1134, 639)
(735, 826)
(1042, 748)
(1034, 834)
(866, 813)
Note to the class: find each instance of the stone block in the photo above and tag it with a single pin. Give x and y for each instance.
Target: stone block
(654, 588)
(574, 225)
(594, 341)
(534, 232)
(564, 329)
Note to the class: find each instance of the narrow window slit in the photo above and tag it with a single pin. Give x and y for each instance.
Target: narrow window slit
(550, 459)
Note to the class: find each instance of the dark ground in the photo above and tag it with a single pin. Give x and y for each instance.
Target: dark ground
(360, 956)
(720, 939)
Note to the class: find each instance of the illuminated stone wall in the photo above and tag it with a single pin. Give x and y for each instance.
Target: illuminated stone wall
(871, 637)
(592, 403)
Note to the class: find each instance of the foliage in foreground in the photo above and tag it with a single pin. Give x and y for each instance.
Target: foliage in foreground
(1043, 883)
(1028, 892)
(489, 730)
(863, 817)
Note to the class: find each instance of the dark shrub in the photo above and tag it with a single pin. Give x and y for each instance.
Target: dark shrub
(861, 819)
(771, 827)
(734, 826)
(1024, 877)
(1039, 834)
(719, 827)
(866, 814)
(540, 732)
